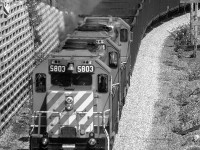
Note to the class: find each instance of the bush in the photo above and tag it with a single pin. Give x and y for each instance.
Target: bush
(193, 71)
(182, 38)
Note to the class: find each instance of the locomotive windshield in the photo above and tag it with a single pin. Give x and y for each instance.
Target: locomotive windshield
(80, 44)
(89, 44)
(71, 79)
(94, 27)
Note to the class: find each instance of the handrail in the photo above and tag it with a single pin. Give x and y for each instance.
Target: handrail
(33, 124)
(78, 112)
(104, 127)
(39, 123)
(38, 114)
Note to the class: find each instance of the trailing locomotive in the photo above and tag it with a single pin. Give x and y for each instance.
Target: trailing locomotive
(119, 36)
(79, 90)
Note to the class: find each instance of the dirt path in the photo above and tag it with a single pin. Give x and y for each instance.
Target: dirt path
(138, 113)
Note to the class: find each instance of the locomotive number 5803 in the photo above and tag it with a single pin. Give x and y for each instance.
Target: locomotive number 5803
(55, 68)
(85, 69)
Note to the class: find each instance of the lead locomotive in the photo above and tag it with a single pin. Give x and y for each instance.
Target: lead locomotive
(79, 90)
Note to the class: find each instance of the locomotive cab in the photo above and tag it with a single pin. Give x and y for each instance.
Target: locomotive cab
(71, 109)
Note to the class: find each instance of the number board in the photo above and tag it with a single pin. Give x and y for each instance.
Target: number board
(85, 69)
(57, 68)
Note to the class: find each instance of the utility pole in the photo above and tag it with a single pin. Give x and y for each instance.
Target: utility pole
(194, 23)
(195, 28)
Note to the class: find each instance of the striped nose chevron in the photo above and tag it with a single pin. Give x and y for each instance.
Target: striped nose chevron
(81, 112)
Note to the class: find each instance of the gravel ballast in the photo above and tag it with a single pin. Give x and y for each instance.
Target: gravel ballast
(137, 117)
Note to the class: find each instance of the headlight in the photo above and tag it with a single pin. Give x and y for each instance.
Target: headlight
(69, 107)
(45, 141)
(69, 100)
(69, 103)
(92, 142)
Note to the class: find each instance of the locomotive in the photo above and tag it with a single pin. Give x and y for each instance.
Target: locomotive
(80, 88)
(119, 32)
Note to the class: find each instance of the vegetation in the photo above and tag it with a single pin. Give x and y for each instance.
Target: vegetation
(182, 37)
(178, 112)
(16, 136)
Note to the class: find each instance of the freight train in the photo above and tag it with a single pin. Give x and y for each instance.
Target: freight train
(80, 88)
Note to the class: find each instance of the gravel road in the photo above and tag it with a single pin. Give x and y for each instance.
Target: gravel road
(138, 113)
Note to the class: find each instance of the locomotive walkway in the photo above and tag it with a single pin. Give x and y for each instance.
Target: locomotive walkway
(136, 124)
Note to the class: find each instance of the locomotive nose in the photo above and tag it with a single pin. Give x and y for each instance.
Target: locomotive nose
(75, 109)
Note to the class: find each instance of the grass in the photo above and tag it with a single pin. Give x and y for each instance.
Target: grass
(177, 113)
(16, 135)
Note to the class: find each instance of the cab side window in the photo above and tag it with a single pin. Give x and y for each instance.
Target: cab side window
(40, 82)
(123, 35)
(102, 83)
(113, 60)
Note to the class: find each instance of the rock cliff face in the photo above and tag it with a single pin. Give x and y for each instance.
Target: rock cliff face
(26, 35)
